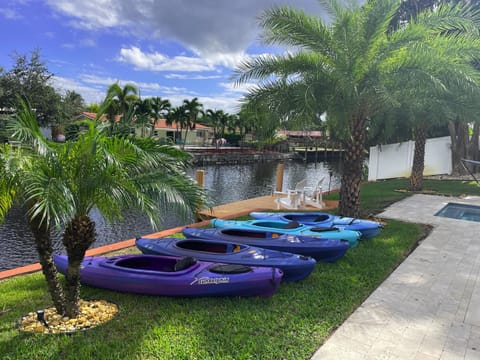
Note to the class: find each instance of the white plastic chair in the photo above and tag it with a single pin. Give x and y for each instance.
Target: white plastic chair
(295, 198)
(314, 195)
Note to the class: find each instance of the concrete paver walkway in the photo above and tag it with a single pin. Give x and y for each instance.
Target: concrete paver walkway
(429, 307)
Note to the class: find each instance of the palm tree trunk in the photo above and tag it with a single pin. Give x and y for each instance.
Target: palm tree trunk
(473, 151)
(79, 235)
(459, 138)
(43, 243)
(349, 204)
(416, 177)
(185, 141)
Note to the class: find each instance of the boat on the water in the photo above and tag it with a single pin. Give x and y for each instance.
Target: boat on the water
(292, 228)
(326, 250)
(295, 267)
(174, 276)
(368, 228)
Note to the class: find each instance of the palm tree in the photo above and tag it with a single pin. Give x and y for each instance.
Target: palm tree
(160, 108)
(62, 184)
(124, 97)
(143, 114)
(120, 101)
(176, 116)
(192, 110)
(346, 69)
(213, 118)
(23, 170)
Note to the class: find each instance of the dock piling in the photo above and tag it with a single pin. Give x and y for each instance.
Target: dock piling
(279, 183)
(200, 177)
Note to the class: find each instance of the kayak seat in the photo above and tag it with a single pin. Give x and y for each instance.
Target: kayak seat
(321, 218)
(230, 269)
(184, 263)
(320, 229)
(292, 225)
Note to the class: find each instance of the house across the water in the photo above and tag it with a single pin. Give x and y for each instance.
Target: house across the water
(169, 133)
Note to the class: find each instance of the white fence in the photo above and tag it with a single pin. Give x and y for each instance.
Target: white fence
(395, 160)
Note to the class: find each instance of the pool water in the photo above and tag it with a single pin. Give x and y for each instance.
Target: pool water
(460, 211)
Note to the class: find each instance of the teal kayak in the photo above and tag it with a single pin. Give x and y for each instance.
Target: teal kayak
(368, 228)
(292, 228)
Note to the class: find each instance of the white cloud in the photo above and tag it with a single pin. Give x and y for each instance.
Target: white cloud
(93, 90)
(10, 14)
(87, 43)
(159, 62)
(217, 30)
(192, 77)
(90, 14)
(238, 89)
(152, 89)
(90, 94)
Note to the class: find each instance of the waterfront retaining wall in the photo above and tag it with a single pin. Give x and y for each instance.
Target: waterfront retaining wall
(228, 157)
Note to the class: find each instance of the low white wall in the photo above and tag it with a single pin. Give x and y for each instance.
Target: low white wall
(395, 160)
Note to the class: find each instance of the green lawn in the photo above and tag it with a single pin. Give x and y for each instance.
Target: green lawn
(290, 325)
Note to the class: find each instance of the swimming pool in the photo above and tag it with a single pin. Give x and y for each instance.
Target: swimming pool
(460, 211)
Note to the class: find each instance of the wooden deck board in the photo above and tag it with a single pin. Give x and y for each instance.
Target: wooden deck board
(244, 207)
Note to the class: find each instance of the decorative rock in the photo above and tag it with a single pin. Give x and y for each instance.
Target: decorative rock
(91, 314)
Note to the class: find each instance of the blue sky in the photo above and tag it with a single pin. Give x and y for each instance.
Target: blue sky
(175, 49)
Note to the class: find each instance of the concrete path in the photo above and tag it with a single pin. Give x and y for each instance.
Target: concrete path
(429, 307)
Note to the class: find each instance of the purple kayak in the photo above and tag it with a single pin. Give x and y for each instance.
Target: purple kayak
(326, 250)
(174, 276)
(295, 267)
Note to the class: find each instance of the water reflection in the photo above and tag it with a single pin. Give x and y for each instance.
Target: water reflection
(224, 183)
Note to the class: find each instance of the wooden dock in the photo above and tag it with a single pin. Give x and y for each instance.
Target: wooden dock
(244, 207)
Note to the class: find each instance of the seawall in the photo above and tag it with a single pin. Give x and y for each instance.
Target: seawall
(236, 156)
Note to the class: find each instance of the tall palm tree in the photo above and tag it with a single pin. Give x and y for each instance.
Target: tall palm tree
(111, 174)
(143, 114)
(120, 101)
(345, 68)
(160, 108)
(176, 116)
(192, 110)
(124, 97)
(213, 118)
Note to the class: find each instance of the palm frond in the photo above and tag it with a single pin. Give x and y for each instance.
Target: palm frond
(291, 27)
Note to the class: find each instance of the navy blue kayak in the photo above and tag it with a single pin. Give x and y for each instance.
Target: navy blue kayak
(368, 228)
(327, 250)
(292, 228)
(174, 276)
(295, 267)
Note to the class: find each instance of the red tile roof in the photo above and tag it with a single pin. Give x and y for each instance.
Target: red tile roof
(160, 123)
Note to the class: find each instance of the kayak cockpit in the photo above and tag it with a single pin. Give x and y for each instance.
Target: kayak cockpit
(152, 263)
(210, 246)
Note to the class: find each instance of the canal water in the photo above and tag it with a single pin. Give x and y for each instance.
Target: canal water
(223, 183)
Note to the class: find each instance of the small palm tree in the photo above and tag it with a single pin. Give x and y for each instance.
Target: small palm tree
(63, 183)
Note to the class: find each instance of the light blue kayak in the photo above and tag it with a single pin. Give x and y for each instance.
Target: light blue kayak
(292, 228)
(368, 228)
